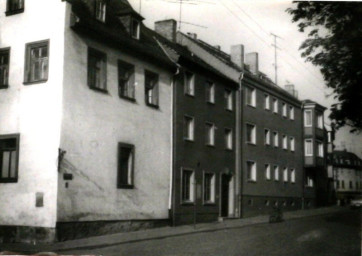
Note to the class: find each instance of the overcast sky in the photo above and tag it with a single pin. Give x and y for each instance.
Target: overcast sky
(229, 22)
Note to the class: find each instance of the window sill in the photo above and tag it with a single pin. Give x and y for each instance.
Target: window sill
(152, 105)
(210, 145)
(190, 95)
(267, 109)
(251, 143)
(13, 12)
(210, 103)
(229, 149)
(267, 145)
(4, 87)
(188, 140)
(125, 186)
(99, 90)
(250, 105)
(128, 98)
(36, 82)
(209, 203)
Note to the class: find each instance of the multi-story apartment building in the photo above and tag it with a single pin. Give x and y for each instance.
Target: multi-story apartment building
(270, 139)
(85, 119)
(204, 145)
(347, 174)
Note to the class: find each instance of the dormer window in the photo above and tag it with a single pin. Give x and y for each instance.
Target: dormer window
(100, 10)
(135, 29)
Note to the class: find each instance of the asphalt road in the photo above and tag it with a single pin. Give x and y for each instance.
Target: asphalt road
(334, 234)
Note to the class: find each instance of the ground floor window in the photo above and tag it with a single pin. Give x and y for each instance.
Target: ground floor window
(9, 158)
(209, 188)
(188, 183)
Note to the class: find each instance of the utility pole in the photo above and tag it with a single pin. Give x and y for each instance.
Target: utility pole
(275, 57)
(180, 14)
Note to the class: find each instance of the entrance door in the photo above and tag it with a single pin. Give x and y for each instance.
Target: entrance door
(225, 181)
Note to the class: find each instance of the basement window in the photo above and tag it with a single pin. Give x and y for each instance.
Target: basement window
(9, 158)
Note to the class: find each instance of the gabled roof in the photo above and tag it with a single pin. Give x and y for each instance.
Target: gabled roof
(114, 33)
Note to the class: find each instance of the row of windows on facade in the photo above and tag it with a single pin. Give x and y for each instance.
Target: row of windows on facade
(36, 63)
(251, 101)
(210, 133)
(251, 172)
(251, 135)
(340, 184)
(339, 160)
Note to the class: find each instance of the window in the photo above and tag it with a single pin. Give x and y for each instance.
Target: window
(135, 29)
(292, 175)
(9, 158)
(189, 83)
(267, 136)
(126, 80)
(210, 134)
(320, 121)
(267, 101)
(188, 128)
(285, 142)
(337, 184)
(267, 171)
(291, 112)
(36, 62)
(228, 138)
(276, 139)
(4, 67)
(97, 70)
(251, 170)
(276, 172)
(100, 10)
(250, 133)
(285, 174)
(308, 144)
(125, 165)
(250, 96)
(210, 92)
(151, 89)
(209, 188)
(309, 181)
(188, 181)
(308, 118)
(284, 109)
(292, 143)
(350, 185)
(342, 184)
(228, 99)
(14, 6)
(275, 105)
(320, 149)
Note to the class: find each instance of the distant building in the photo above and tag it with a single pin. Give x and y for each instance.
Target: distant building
(347, 172)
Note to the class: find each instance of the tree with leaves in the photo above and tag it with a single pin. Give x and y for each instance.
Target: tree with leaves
(334, 44)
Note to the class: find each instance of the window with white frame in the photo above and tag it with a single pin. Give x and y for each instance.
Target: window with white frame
(285, 141)
(251, 170)
(276, 172)
(188, 128)
(309, 181)
(228, 138)
(36, 62)
(267, 172)
(100, 10)
(292, 175)
(209, 188)
(267, 136)
(210, 134)
(276, 139)
(320, 121)
(228, 95)
(285, 174)
(251, 133)
(189, 83)
(267, 101)
(210, 92)
(250, 96)
(275, 105)
(320, 149)
(292, 143)
(188, 186)
(284, 109)
(308, 146)
(308, 118)
(291, 112)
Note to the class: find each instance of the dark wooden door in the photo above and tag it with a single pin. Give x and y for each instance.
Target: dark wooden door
(225, 179)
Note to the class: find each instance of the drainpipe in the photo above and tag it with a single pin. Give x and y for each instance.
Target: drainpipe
(303, 157)
(238, 139)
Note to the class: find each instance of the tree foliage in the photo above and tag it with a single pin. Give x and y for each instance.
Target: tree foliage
(334, 44)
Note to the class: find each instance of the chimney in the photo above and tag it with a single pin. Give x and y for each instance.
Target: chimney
(237, 54)
(192, 35)
(290, 89)
(252, 60)
(167, 29)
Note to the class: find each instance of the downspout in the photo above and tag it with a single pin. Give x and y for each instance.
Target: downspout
(303, 157)
(238, 151)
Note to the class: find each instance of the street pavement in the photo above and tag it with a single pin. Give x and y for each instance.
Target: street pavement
(323, 231)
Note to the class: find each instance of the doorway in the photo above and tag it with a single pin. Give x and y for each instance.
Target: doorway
(225, 194)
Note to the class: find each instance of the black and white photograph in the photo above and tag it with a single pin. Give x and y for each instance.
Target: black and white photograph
(180, 127)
